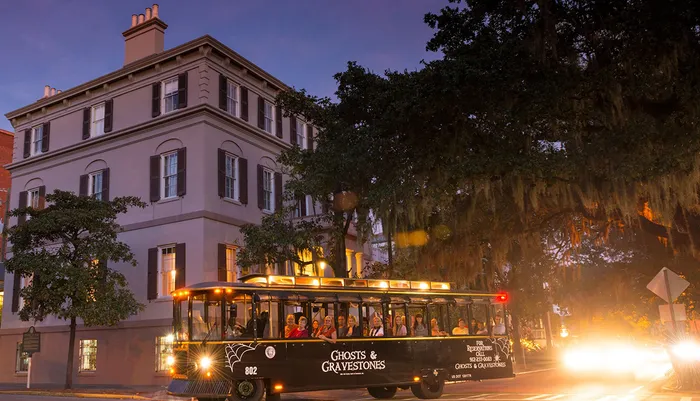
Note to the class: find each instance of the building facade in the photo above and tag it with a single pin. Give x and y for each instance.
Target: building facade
(6, 145)
(193, 131)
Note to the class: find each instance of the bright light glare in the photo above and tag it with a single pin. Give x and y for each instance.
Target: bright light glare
(170, 360)
(564, 332)
(617, 359)
(205, 362)
(169, 338)
(687, 350)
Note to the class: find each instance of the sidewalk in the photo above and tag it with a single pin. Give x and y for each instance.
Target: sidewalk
(153, 393)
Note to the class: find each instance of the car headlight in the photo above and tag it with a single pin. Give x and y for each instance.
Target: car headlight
(205, 362)
(170, 360)
(687, 350)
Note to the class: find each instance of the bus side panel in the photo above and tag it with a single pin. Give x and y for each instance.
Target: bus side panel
(304, 362)
(478, 358)
(383, 362)
(266, 360)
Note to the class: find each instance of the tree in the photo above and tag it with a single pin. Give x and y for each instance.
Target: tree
(63, 251)
(280, 238)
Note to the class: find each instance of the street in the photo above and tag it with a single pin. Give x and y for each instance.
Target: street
(545, 385)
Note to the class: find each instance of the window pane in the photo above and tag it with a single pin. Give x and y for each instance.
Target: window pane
(231, 269)
(88, 355)
(164, 350)
(167, 271)
(37, 135)
(170, 175)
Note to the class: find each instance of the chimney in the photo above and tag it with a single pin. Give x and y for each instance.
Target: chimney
(53, 91)
(47, 89)
(58, 91)
(145, 37)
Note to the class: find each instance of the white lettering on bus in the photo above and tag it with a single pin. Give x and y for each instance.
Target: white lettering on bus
(352, 363)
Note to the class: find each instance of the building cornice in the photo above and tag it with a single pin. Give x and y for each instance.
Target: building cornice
(202, 44)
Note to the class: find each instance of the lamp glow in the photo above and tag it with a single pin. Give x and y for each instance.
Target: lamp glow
(169, 338)
(170, 360)
(205, 362)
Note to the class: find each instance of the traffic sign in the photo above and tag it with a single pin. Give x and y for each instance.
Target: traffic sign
(31, 341)
(678, 312)
(676, 285)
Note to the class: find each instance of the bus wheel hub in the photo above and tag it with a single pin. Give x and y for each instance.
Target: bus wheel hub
(246, 388)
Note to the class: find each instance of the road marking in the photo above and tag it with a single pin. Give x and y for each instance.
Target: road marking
(556, 396)
(533, 371)
(474, 397)
(634, 390)
(537, 397)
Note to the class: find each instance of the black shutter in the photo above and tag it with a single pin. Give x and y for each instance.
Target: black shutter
(152, 273)
(309, 137)
(278, 191)
(155, 105)
(223, 92)
(182, 90)
(86, 122)
(278, 121)
(243, 180)
(22, 203)
(292, 130)
(84, 180)
(221, 167)
(180, 262)
(155, 178)
(303, 205)
(27, 142)
(261, 193)
(221, 267)
(105, 184)
(261, 112)
(42, 197)
(181, 171)
(109, 112)
(45, 136)
(15, 292)
(244, 103)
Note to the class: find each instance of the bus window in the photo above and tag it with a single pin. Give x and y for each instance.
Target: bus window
(237, 315)
(438, 319)
(318, 314)
(480, 319)
(213, 317)
(397, 318)
(295, 310)
(499, 323)
(198, 322)
(418, 326)
(180, 320)
(459, 316)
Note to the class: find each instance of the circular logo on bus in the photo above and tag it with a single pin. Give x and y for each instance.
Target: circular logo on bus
(270, 352)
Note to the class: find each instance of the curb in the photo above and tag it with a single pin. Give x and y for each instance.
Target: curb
(75, 395)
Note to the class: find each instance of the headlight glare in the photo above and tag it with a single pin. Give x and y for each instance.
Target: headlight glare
(205, 362)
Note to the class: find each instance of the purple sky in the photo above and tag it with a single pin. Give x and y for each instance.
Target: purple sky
(64, 43)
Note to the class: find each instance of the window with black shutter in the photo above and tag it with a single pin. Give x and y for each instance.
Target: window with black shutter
(243, 180)
(182, 90)
(180, 266)
(87, 115)
(223, 92)
(152, 279)
(261, 112)
(278, 122)
(109, 113)
(292, 130)
(155, 98)
(244, 103)
(181, 171)
(155, 178)
(309, 137)
(45, 137)
(221, 262)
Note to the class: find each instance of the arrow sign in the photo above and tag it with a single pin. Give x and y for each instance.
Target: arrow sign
(676, 285)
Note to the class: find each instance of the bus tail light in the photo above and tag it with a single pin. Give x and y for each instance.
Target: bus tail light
(502, 297)
(416, 379)
(278, 387)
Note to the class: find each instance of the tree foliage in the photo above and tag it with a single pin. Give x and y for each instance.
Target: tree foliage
(65, 250)
(539, 113)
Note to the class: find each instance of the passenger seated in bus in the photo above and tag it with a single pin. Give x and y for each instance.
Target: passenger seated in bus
(474, 327)
(461, 329)
(342, 327)
(314, 328)
(419, 328)
(481, 329)
(435, 329)
(365, 327)
(300, 331)
(290, 325)
(400, 329)
(327, 331)
(264, 325)
(353, 330)
(233, 328)
(377, 329)
(199, 326)
(388, 328)
(499, 328)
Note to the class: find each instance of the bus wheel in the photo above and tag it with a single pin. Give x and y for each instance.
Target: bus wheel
(382, 392)
(247, 390)
(211, 399)
(425, 390)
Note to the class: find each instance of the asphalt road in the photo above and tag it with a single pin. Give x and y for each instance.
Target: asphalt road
(536, 385)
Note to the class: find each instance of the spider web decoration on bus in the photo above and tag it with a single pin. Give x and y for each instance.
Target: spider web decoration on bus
(501, 345)
(234, 353)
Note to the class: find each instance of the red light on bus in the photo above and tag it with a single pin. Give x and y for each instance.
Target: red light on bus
(502, 297)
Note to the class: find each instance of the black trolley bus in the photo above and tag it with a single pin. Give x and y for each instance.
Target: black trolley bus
(229, 338)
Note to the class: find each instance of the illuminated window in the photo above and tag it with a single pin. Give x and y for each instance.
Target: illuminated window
(21, 360)
(164, 349)
(166, 269)
(87, 357)
(232, 272)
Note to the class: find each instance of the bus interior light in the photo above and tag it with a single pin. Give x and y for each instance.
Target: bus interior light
(416, 379)
(278, 387)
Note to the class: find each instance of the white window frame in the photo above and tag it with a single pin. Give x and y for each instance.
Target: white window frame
(165, 178)
(173, 95)
(301, 134)
(92, 178)
(83, 346)
(233, 180)
(24, 282)
(97, 126)
(271, 191)
(162, 291)
(164, 349)
(33, 198)
(233, 96)
(21, 359)
(233, 270)
(269, 119)
(37, 140)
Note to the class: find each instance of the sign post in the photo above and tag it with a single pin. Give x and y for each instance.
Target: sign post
(31, 343)
(668, 286)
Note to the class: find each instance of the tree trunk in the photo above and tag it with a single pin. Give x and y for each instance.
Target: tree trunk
(71, 351)
(518, 350)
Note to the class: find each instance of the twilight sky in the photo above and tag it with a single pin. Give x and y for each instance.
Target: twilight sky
(64, 43)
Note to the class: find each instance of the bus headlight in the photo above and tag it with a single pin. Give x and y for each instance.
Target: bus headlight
(170, 360)
(687, 350)
(205, 362)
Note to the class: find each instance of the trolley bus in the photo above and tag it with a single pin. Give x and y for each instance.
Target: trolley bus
(230, 339)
